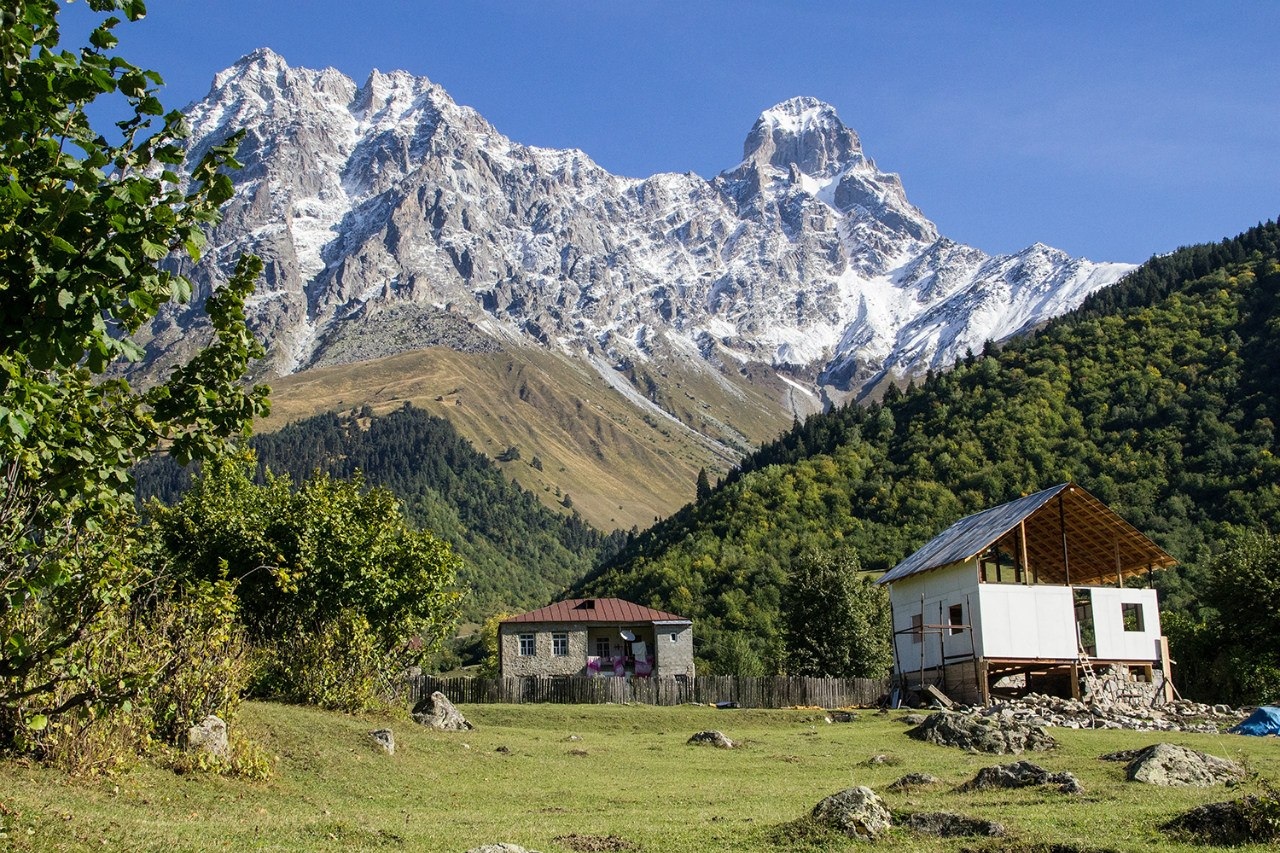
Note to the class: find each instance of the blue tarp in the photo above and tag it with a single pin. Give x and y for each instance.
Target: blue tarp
(1262, 722)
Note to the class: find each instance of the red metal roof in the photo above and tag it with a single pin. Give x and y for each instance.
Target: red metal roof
(597, 611)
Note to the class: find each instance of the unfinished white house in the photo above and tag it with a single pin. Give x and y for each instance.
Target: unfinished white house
(1036, 595)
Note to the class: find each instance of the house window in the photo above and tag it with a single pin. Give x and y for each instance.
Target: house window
(526, 646)
(955, 618)
(917, 629)
(1132, 616)
(560, 644)
(602, 647)
(673, 636)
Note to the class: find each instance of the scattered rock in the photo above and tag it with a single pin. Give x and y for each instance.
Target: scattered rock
(711, 738)
(999, 736)
(857, 812)
(579, 752)
(594, 843)
(1241, 821)
(209, 736)
(500, 848)
(882, 760)
(949, 825)
(841, 717)
(1172, 765)
(1115, 712)
(1021, 774)
(573, 738)
(1125, 755)
(385, 739)
(913, 782)
(912, 719)
(504, 750)
(438, 712)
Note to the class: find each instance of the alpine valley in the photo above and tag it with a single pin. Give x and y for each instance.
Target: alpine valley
(626, 331)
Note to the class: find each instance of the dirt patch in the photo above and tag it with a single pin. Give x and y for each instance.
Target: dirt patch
(595, 843)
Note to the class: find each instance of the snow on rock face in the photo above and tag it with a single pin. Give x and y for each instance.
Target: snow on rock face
(804, 255)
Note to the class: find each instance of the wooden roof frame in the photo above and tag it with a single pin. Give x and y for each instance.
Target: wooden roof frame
(1070, 537)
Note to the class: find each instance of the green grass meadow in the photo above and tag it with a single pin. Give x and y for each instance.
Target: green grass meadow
(529, 774)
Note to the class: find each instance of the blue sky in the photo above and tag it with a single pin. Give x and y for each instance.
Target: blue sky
(1114, 130)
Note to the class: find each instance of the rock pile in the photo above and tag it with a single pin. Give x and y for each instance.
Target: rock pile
(998, 735)
(1229, 824)
(1178, 716)
(711, 738)
(1022, 774)
(949, 825)
(913, 782)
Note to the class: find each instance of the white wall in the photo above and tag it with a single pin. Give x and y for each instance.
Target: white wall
(1113, 641)
(1014, 620)
(1027, 621)
(941, 589)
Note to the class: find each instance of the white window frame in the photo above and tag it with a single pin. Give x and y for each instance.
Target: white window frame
(527, 645)
(560, 644)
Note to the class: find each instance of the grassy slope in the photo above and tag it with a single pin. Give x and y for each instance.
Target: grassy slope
(638, 780)
(622, 467)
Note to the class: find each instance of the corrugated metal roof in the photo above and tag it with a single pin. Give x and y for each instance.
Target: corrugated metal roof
(1081, 540)
(597, 611)
(970, 535)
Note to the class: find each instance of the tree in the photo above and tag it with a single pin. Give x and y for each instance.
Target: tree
(703, 486)
(1244, 592)
(330, 576)
(838, 622)
(84, 226)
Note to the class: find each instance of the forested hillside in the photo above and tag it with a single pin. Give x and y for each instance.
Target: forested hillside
(517, 553)
(1159, 395)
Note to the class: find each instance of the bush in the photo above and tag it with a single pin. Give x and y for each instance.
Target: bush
(337, 666)
(196, 636)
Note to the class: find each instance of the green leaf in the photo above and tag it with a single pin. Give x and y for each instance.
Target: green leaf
(37, 722)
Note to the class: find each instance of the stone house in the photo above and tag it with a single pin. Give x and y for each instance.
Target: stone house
(1036, 595)
(605, 637)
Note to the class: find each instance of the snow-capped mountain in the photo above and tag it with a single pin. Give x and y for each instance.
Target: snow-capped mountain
(391, 218)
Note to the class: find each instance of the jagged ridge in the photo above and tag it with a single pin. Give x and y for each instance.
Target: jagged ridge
(389, 196)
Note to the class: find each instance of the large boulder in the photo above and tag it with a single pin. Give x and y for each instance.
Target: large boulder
(857, 812)
(438, 712)
(1177, 766)
(1021, 774)
(209, 736)
(996, 735)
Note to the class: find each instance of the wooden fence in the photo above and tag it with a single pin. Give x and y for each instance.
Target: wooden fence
(778, 692)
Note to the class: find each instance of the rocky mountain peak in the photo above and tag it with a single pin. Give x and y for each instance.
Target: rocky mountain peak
(388, 199)
(804, 132)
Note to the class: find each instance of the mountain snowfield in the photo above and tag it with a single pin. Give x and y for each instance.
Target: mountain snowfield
(391, 218)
